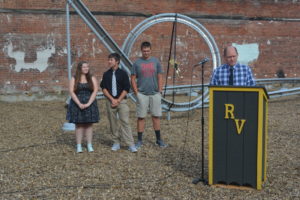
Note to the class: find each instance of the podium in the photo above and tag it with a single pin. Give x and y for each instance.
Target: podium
(238, 124)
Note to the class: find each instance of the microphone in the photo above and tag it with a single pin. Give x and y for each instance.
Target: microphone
(202, 62)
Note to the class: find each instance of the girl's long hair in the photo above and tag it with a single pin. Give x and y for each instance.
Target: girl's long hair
(78, 76)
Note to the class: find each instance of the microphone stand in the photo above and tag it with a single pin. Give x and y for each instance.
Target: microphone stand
(198, 179)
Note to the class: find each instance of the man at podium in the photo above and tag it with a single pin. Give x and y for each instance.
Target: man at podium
(232, 73)
(238, 125)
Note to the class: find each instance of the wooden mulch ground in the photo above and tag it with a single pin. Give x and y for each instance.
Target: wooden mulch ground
(38, 159)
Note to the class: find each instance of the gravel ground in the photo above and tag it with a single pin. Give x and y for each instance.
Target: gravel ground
(38, 159)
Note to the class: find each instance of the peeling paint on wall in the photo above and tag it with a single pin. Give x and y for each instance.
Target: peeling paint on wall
(41, 63)
(247, 52)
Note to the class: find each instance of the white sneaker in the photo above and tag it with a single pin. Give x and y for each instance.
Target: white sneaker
(90, 148)
(132, 149)
(115, 147)
(79, 148)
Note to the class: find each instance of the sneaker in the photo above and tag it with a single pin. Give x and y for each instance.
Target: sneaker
(90, 148)
(161, 143)
(115, 147)
(132, 149)
(79, 148)
(138, 144)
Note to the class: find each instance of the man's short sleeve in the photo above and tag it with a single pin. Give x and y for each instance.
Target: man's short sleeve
(133, 69)
(159, 67)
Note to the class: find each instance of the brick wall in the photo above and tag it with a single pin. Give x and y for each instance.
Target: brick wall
(33, 38)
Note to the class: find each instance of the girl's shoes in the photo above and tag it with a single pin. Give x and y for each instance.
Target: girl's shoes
(79, 148)
(90, 148)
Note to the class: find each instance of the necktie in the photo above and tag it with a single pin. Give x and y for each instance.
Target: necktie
(230, 76)
(114, 85)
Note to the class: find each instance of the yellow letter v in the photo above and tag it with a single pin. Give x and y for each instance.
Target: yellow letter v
(239, 125)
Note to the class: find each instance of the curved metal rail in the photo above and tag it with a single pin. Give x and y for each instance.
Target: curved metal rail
(172, 17)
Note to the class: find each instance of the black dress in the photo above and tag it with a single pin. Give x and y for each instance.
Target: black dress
(87, 115)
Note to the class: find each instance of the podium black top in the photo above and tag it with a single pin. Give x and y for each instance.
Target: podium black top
(233, 86)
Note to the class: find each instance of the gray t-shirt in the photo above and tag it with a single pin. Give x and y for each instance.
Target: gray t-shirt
(146, 72)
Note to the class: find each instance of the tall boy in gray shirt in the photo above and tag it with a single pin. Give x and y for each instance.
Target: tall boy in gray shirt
(146, 81)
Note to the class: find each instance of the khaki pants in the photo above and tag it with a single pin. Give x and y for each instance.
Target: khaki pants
(119, 122)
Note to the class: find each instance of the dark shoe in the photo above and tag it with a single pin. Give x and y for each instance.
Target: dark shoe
(161, 143)
(138, 144)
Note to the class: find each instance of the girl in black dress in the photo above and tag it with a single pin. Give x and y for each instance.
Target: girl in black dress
(83, 110)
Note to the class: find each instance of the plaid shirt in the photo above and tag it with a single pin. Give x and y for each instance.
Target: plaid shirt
(242, 75)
